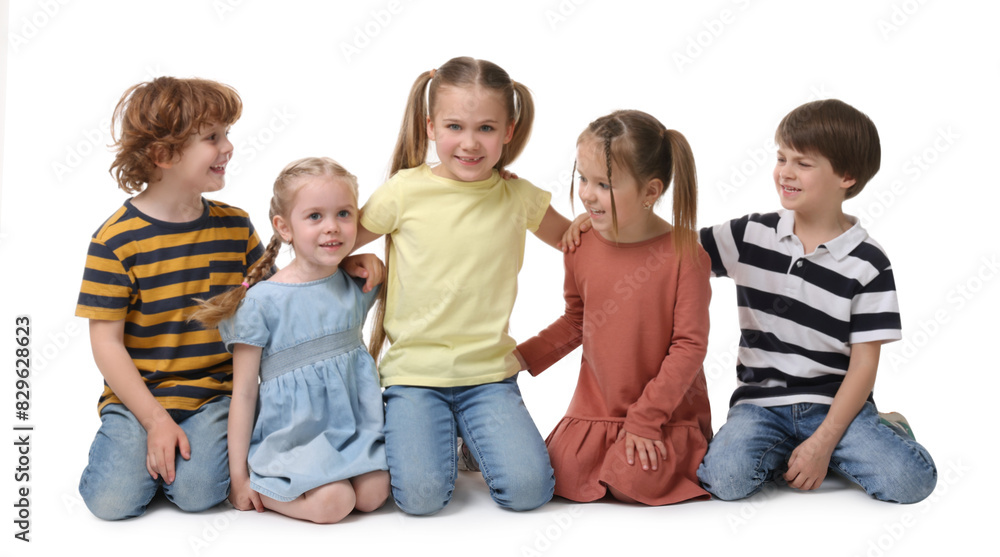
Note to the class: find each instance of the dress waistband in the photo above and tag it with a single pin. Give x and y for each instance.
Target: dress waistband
(309, 352)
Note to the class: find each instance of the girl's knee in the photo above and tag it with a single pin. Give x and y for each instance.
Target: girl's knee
(330, 503)
(372, 492)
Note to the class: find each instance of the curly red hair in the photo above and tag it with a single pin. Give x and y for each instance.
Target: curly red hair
(156, 118)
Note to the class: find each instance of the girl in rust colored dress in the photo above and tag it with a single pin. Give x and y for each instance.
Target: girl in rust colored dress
(637, 297)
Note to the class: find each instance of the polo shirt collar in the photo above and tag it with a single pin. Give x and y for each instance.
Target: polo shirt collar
(839, 247)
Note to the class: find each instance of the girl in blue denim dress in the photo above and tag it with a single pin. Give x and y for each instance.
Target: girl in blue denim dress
(316, 449)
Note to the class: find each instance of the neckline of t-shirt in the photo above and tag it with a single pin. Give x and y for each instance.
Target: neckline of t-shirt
(600, 237)
(480, 184)
(189, 225)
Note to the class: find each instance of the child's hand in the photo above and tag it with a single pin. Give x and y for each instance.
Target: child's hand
(571, 238)
(366, 266)
(243, 497)
(163, 439)
(808, 465)
(520, 360)
(646, 448)
(508, 175)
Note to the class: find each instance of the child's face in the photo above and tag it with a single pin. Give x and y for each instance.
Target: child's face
(322, 225)
(594, 192)
(201, 165)
(806, 182)
(469, 128)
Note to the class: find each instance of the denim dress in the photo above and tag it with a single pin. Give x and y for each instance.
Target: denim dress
(319, 409)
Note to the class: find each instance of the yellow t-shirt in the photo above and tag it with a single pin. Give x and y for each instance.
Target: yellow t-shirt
(456, 250)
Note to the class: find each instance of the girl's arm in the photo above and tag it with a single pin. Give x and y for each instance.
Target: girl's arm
(163, 436)
(246, 367)
(365, 265)
(681, 370)
(571, 238)
(552, 227)
(811, 459)
(559, 338)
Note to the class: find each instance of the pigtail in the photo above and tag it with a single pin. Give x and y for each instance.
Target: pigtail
(413, 142)
(611, 185)
(377, 341)
(212, 311)
(524, 117)
(685, 203)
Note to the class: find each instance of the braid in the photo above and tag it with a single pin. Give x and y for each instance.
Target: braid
(212, 311)
(611, 189)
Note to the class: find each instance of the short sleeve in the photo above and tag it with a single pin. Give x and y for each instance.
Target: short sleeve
(381, 213)
(875, 311)
(107, 288)
(247, 326)
(535, 202)
(723, 242)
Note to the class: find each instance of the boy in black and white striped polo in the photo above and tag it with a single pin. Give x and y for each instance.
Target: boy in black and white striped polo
(816, 300)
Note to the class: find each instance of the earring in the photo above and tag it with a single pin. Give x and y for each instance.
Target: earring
(647, 205)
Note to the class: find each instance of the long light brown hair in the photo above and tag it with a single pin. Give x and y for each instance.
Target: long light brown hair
(639, 144)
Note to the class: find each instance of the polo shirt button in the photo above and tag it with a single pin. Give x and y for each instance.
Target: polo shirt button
(798, 263)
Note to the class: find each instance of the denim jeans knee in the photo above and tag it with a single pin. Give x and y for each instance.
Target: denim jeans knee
(115, 485)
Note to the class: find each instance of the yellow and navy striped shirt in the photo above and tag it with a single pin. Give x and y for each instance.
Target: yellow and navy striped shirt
(147, 272)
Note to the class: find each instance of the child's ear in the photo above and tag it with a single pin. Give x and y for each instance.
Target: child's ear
(430, 129)
(285, 231)
(160, 156)
(653, 190)
(846, 181)
(510, 132)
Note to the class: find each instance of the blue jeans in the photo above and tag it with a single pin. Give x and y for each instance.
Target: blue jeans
(116, 485)
(421, 424)
(755, 443)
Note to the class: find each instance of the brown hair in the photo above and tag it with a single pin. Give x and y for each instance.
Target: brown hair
(156, 118)
(640, 145)
(413, 142)
(224, 305)
(838, 131)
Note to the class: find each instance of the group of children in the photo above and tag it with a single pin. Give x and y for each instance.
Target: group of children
(227, 377)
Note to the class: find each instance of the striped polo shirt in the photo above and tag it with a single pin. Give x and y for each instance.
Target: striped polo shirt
(800, 313)
(147, 272)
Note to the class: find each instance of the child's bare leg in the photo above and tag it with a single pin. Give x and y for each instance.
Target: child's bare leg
(620, 496)
(325, 504)
(371, 490)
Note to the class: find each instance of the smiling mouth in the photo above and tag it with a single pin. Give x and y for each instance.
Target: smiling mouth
(790, 189)
(469, 160)
(218, 168)
(331, 245)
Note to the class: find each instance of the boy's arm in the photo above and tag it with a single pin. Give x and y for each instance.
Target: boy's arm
(552, 227)
(163, 435)
(246, 367)
(810, 460)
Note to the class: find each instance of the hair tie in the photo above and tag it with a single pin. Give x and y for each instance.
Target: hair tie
(433, 73)
(245, 284)
(517, 101)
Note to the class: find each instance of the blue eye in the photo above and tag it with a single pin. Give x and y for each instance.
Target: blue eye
(454, 127)
(604, 186)
(485, 128)
(315, 216)
(344, 214)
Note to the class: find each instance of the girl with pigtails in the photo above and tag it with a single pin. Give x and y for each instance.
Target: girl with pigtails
(455, 242)
(637, 294)
(315, 450)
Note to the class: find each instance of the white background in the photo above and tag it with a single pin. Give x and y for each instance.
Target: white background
(331, 79)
